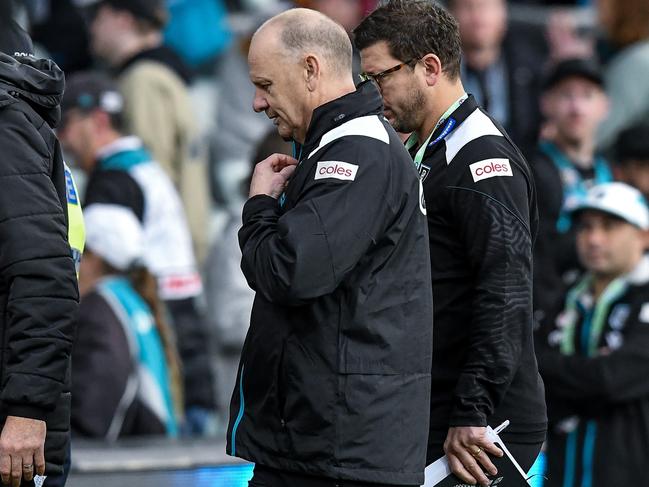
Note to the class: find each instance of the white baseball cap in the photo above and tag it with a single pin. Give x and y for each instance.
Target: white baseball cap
(617, 199)
(114, 233)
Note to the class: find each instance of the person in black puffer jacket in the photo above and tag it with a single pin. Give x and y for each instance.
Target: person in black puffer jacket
(38, 286)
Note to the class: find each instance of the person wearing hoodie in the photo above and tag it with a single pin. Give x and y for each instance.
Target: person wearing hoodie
(127, 35)
(38, 286)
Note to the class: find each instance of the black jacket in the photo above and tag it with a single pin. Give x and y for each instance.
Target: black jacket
(38, 286)
(334, 376)
(482, 220)
(598, 405)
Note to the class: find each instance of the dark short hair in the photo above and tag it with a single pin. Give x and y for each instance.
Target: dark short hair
(412, 29)
(632, 144)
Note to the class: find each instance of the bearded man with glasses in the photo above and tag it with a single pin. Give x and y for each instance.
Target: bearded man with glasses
(482, 221)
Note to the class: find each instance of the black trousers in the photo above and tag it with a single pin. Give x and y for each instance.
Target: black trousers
(269, 477)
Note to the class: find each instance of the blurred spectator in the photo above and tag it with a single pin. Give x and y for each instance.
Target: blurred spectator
(198, 30)
(627, 26)
(566, 38)
(595, 357)
(120, 171)
(123, 343)
(565, 167)
(229, 297)
(127, 34)
(58, 26)
(238, 128)
(632, 158)
(347, 13)
(501, 67)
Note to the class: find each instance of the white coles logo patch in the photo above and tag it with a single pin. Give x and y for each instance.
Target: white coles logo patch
(490, 168)
(336, 169)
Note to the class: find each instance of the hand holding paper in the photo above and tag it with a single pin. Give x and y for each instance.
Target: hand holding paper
(467, 450)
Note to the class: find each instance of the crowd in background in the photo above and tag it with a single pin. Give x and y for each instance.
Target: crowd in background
(157, 118)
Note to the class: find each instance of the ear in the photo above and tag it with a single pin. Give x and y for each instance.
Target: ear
(312, 71)
(432, 69)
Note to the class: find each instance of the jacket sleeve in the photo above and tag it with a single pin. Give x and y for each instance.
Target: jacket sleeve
(306, 252)
(618, 377)
(493, 222)
(100, 341)
(36, 270)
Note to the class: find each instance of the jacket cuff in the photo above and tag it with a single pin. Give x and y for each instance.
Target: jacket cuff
(25, 411)
(459, 419)
(259, 203)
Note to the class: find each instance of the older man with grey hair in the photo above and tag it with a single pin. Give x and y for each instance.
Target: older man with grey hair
(334, 380)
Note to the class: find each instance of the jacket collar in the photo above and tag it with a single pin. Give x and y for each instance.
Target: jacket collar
(366, 100)
(123, 144)
(460, 114)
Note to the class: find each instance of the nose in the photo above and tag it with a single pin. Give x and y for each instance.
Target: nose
(259, 103)
(595, 236)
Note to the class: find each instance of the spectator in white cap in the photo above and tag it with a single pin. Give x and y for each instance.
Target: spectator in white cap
(122, 323)
(594, 354)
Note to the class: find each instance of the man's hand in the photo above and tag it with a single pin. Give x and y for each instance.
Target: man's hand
(271, 175)
(466, 448)
(22, 449)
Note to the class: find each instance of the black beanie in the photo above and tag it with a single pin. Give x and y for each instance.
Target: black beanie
(14, 41)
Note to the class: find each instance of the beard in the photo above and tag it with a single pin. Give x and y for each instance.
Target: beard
(407, 118)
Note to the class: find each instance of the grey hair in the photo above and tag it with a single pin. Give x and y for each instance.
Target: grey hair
(304, 31)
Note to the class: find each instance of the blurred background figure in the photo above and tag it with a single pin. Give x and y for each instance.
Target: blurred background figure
(122, 322)
(566, 165)
(501, 66)
(568, 37)
(153, 79)
(626, 53)
(632, 157)
(594, 355)
(229, 297)
(121, 171)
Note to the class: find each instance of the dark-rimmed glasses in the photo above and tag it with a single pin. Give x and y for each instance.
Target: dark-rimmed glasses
(378, 77)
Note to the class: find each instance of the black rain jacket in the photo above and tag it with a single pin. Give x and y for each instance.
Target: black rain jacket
(482, 220)
(334, 379)
(38, 285)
